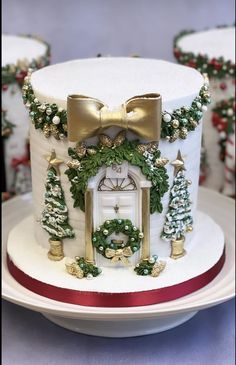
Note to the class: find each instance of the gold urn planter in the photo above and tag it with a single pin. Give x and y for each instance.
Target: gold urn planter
(177, 248)
(56, 250)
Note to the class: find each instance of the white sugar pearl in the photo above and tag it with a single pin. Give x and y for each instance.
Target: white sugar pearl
(167, 118)
(89, 276)
(199, 105)
(204, 108)
(56, 120)
(230, 112)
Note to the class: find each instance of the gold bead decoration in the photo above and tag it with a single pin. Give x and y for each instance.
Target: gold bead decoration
(54, 131)
(64, 126)
(175, 123)
(174, 136)
(193, 123)
(189, 182)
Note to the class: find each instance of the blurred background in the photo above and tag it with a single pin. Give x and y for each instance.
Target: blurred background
(85, 28)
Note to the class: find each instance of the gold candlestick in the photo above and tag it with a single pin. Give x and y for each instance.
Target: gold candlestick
(146, 223)
(89, 254)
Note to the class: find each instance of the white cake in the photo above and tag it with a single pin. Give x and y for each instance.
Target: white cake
(213, 51)
(19, 53)
(106, 84)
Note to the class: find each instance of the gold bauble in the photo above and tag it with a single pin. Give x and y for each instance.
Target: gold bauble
(54, 131)
(183, 133)
(141, 148)
(194, 123)
(73, 164)
(189, 182)
(189, 229)
(175, 123)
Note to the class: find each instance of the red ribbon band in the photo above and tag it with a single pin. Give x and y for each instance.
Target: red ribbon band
(98, 299)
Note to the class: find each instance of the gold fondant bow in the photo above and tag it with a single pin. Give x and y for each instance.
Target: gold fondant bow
(120, 254)
(88, 117)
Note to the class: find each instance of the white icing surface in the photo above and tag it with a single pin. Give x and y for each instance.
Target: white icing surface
(213, 43)
(28, 256)
(16, 48)
(114, 80)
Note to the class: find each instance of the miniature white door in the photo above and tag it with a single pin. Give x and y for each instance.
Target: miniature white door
(116, 198)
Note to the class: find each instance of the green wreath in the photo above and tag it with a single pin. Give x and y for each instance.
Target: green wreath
(113, 250)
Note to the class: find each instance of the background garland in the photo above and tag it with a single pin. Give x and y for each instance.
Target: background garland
(223, 119)
(214, 67)
(15, 73)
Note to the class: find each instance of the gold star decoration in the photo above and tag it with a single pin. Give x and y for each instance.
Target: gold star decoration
(53, 161)
(178, 163)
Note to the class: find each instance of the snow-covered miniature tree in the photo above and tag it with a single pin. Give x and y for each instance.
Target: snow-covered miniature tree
(178, 219)
(54, 217)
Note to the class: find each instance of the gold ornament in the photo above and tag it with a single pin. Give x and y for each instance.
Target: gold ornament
(183, 133)
(178, 163)
(105, 140)
(158, 267)
(189, 182)
(74, 164)
(80, 149)
(75, 270)
(46, 130)
(64, 126)
(7, 132)
(53, 161)
(91, 151)
(189, 229)
(150, 147)
(87, 117)
(175, 123)
(119, 139)
(193, 122)
(120, 254)
(174, 136)
(162, 161)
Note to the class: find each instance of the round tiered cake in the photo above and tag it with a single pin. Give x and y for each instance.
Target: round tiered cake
(115, 153)
(213, 52)
(19, 53)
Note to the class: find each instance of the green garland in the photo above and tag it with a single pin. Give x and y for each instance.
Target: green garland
(99, 238)
(83, 167)
(223, 119)
(12, 73)
(214, 67)
(82, 268)
(52, 120)
(151, 267)
(7, 127)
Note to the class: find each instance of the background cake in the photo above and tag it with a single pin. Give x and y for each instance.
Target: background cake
(213, 51)
(19, 53)
(115, 153)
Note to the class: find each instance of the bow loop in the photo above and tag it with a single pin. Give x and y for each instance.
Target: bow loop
(119, 254)
(88, 117)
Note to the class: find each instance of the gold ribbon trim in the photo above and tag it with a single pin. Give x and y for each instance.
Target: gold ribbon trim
(88, 117)
(120, 254)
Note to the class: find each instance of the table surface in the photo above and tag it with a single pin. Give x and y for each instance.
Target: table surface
(208, 338)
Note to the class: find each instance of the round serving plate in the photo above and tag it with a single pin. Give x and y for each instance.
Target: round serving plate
(128, 321)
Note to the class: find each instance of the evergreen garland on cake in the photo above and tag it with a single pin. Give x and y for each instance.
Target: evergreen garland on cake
(86, 161)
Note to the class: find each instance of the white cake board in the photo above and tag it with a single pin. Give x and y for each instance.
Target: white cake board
(133, 321)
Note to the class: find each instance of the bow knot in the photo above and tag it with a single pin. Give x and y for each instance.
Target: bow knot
(88, 117)
(119, 254)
